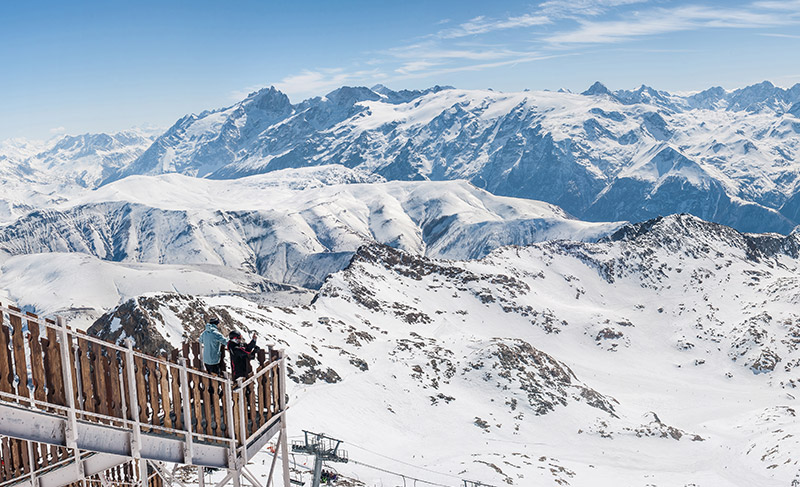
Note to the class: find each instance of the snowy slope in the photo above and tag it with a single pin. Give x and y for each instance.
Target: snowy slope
(664, 355)
(578, 151)
(56, 283)
(293, 227)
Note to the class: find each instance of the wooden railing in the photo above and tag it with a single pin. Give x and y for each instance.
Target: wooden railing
(48, 366)
(21, 457)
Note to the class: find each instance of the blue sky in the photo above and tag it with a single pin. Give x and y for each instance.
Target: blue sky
(94, 66)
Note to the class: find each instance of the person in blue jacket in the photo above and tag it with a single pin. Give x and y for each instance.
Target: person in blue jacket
(212, 341)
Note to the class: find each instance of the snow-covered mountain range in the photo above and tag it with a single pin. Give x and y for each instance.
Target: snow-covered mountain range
(39, 174)
(665, 354)
(725, 156)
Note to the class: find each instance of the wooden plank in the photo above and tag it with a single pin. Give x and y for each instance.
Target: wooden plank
(141, 388)
(99, 384)
(153, 385)
(215, 389)
(185, 349)
(86, 375)
(250, 407)
(163, 377)
(177, 411)
(197, 403)
(53, 454)
(52, 367)
(263, 398)
(197, 361)
(261, 356)
(24, 457)
(20, 360)
(115, 389)
(6, 359)
(276, 391)
(36, 359)
(236, 419)
(14, 456)
(44, 455)
(5, 452)
(207, 398)
(104, 381)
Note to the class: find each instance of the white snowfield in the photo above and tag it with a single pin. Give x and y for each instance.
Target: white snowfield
(666, 356)
(292, 227)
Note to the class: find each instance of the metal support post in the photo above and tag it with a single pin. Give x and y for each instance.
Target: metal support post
(142, 472)
(249, 476)
(71, 428)
(242, 421)
(201, 477)
(187, 412)
(231, 427)
(136, 432)
(282, 401)
(274, 459)
(34, 480)
(317, 470)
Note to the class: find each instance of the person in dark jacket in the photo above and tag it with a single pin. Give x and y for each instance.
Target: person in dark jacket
(241, 353)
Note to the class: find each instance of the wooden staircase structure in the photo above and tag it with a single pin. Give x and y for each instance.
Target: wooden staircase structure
(76, 410)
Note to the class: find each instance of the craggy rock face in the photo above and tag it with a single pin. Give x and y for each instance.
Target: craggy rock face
(159, 323)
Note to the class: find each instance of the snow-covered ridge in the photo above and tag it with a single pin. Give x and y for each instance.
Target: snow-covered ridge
(291, 227)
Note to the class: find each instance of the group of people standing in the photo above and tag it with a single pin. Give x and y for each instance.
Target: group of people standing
(240, 352)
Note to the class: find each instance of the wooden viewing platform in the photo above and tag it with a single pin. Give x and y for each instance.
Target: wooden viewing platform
(76, 409)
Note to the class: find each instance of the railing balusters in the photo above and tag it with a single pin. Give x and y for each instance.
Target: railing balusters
(6, 359)
(20, 360)
(36, 360)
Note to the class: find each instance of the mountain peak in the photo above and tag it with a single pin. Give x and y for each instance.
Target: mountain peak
(348, 95)
(597, 88)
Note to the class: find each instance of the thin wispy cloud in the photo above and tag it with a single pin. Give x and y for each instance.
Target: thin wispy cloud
(660, 21)
(784, 36)
(483, 25)
(786, 5)
(435, 51)
(482, 66)
(569, 8)
(415, 67)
